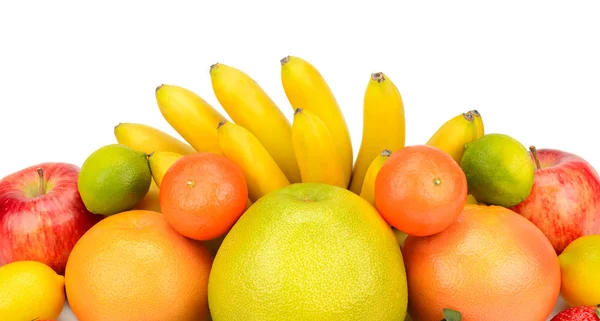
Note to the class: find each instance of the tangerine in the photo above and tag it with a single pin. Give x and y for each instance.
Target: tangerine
(420, 190)
(492, 264)
(202, 195)
(134, 266)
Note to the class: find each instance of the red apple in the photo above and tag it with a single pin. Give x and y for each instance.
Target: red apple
(42, 215)
(565, 199)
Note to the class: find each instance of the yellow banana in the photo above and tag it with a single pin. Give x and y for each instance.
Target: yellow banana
(452, 136)
(315, 150)
(191, 116)
(243, 148)
(478, 123)
(249, 106)
(368, 188)
(148, 139)
(471, 200)
(150, 202)
(400, 236)
(160, 162)
(383, 125)
(306, 88)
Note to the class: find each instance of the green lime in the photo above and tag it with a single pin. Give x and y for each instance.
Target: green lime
(114, 179)
(499, 170)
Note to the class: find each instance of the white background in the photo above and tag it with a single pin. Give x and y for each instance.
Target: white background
(71, 71)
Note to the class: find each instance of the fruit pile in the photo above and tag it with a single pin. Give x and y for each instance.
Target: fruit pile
(253, 216)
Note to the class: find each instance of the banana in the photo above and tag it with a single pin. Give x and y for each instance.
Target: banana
(471, 200)
(160, 162)
(368, 188)
(249, 106)
(478, 123)
(452, 136)
(315, 150)
(191, 116)
(150, 202)
(306, 88)
(243, 148)
(383, 125)
(400, 236)
(148, 139)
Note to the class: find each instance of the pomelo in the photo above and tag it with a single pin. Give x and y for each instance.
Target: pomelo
(309, 251)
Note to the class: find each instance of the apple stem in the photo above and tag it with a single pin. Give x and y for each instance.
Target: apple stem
(42, 188)
(535, 156)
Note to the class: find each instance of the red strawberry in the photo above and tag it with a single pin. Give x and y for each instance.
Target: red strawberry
(579, 314)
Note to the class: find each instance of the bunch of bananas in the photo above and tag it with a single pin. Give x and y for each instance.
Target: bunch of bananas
(273, 151)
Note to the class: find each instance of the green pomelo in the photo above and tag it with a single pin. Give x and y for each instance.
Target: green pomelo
(114, 179)
(309, 251)
(499, 170)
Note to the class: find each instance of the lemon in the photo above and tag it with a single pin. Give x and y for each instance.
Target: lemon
(114, 179)
(580, 271)
(499, 170)
(30, 290)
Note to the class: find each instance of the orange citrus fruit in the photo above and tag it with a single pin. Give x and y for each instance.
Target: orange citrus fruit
(420, 190)
(202, 195)
(491, 264)
(135, 266)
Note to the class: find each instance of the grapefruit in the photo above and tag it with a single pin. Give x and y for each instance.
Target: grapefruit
(134, 266)
(309, 251)
(492, 264)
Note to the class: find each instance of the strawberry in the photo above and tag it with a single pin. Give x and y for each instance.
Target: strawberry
(583, 313)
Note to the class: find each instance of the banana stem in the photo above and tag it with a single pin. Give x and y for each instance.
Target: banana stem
(385, 153)
(221, 123)
(535, 157)
(378, 77)
(298, 110)
(42, 188)
(284, 60)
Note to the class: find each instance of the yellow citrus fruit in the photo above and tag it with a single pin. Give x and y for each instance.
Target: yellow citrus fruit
(30, 290)
(580, 266)
(309, 251)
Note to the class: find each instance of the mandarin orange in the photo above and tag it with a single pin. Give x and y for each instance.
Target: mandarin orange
(202, 195)
(420, 190)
